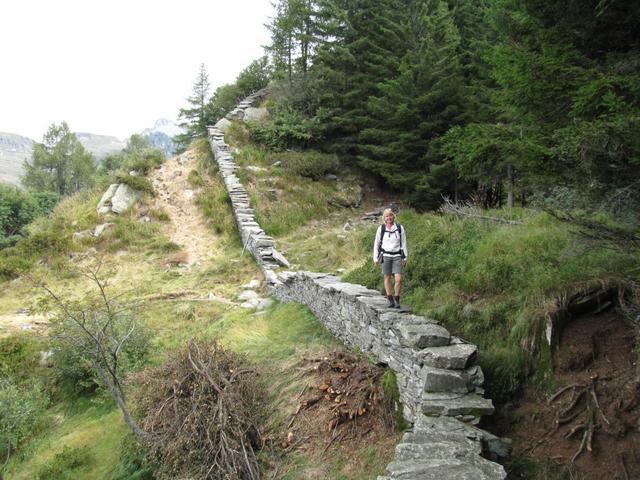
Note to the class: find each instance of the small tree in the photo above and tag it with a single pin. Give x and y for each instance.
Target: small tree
(60, 163)
(98, 327)
(194, 117)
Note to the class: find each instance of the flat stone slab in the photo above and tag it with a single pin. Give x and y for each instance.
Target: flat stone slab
(452, 404)
(456, 356)
(423, 335)
(351, 289)
(444, 380)
(455, 469)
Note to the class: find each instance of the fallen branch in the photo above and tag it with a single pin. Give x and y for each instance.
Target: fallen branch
(561, 391)
(464, 210)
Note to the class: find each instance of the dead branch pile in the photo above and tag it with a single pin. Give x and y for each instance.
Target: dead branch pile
(345, 398)
(203, 405)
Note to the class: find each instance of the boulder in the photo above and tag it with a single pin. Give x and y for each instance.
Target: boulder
(255, 114)
(104, 205)
(123, 198)
(223, 124)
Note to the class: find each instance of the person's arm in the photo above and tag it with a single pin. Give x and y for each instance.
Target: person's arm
(376, 244)
(403, 240)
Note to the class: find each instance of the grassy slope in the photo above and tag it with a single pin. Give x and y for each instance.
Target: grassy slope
(136, 253)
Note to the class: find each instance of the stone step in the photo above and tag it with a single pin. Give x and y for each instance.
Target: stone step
(445, 380)
(421, 336)
(451, 469)
(457, 356)
(452, 404)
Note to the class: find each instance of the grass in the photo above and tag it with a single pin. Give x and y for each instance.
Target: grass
(283, 198)
(95, 427)
(494, 285)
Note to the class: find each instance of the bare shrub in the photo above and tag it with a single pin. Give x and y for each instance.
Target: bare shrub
(203, 405)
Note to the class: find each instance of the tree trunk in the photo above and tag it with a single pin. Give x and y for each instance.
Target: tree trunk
(455, 190)
(510, 186)
(117, 395)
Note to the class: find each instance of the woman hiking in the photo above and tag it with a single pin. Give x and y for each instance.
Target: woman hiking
(390, 249)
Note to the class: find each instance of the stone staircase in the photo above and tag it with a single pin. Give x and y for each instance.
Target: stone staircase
(440, 387)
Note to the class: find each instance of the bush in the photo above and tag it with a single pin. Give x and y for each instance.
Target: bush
(136, 182)
(287, 128)
(145, 160)
(74, 370)
(23, 409)
(19, 208)
(310, 164)
(19, 356)
(65, 464)
(134, 462)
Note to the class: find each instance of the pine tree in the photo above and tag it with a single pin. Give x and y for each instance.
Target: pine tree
(417, 107)
(363, 42)
(195, 116)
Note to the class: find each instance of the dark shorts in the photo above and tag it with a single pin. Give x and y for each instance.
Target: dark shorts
(392, 265)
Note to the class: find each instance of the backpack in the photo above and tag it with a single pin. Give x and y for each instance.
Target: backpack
(382, 230)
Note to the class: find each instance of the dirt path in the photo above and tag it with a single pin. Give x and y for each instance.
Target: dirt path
(187, 227)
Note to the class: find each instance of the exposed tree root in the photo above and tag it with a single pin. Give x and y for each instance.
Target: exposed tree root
(584, 406)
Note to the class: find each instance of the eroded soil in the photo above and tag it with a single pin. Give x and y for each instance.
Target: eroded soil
(589, 426)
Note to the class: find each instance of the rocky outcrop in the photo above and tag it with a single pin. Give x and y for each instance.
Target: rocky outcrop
(440, 387)
(117, 198)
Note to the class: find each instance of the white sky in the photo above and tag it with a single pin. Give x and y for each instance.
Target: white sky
(113, 67)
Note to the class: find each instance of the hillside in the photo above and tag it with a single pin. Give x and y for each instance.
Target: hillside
(550, 298)
(15, 149)
(188, 268)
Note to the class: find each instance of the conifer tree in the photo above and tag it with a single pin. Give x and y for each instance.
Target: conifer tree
(194, 117)
(418, 106)
(362, 43)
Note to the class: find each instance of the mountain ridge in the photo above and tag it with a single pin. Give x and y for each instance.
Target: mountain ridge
(15, 149)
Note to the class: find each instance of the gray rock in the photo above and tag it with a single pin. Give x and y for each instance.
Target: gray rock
(422, 336)
(248, 295)
(451, 356)
(452, 404)
(281, 259)
(82, 234)
(104, 205)
(123, 198)
(255, 114)
(101, 228)
(223, 125)
(442, 380)
(252, 285)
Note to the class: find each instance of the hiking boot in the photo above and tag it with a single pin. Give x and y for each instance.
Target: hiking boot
(391, 303)
(396, 302)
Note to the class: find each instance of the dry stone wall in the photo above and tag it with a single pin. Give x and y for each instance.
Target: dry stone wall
(440, 387)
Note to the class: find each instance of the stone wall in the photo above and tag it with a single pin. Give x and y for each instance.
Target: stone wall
(440, 387)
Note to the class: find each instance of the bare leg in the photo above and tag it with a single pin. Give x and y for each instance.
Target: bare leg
(387, 285)
(398, 278)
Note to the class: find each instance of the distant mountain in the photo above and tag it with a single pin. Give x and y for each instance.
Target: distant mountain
(100, 145)
(14, 150)
(161, 135)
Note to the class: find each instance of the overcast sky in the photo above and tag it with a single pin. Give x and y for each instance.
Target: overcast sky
(114, 67)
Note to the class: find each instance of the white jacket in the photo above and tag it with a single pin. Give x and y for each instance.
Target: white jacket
(392, 241)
